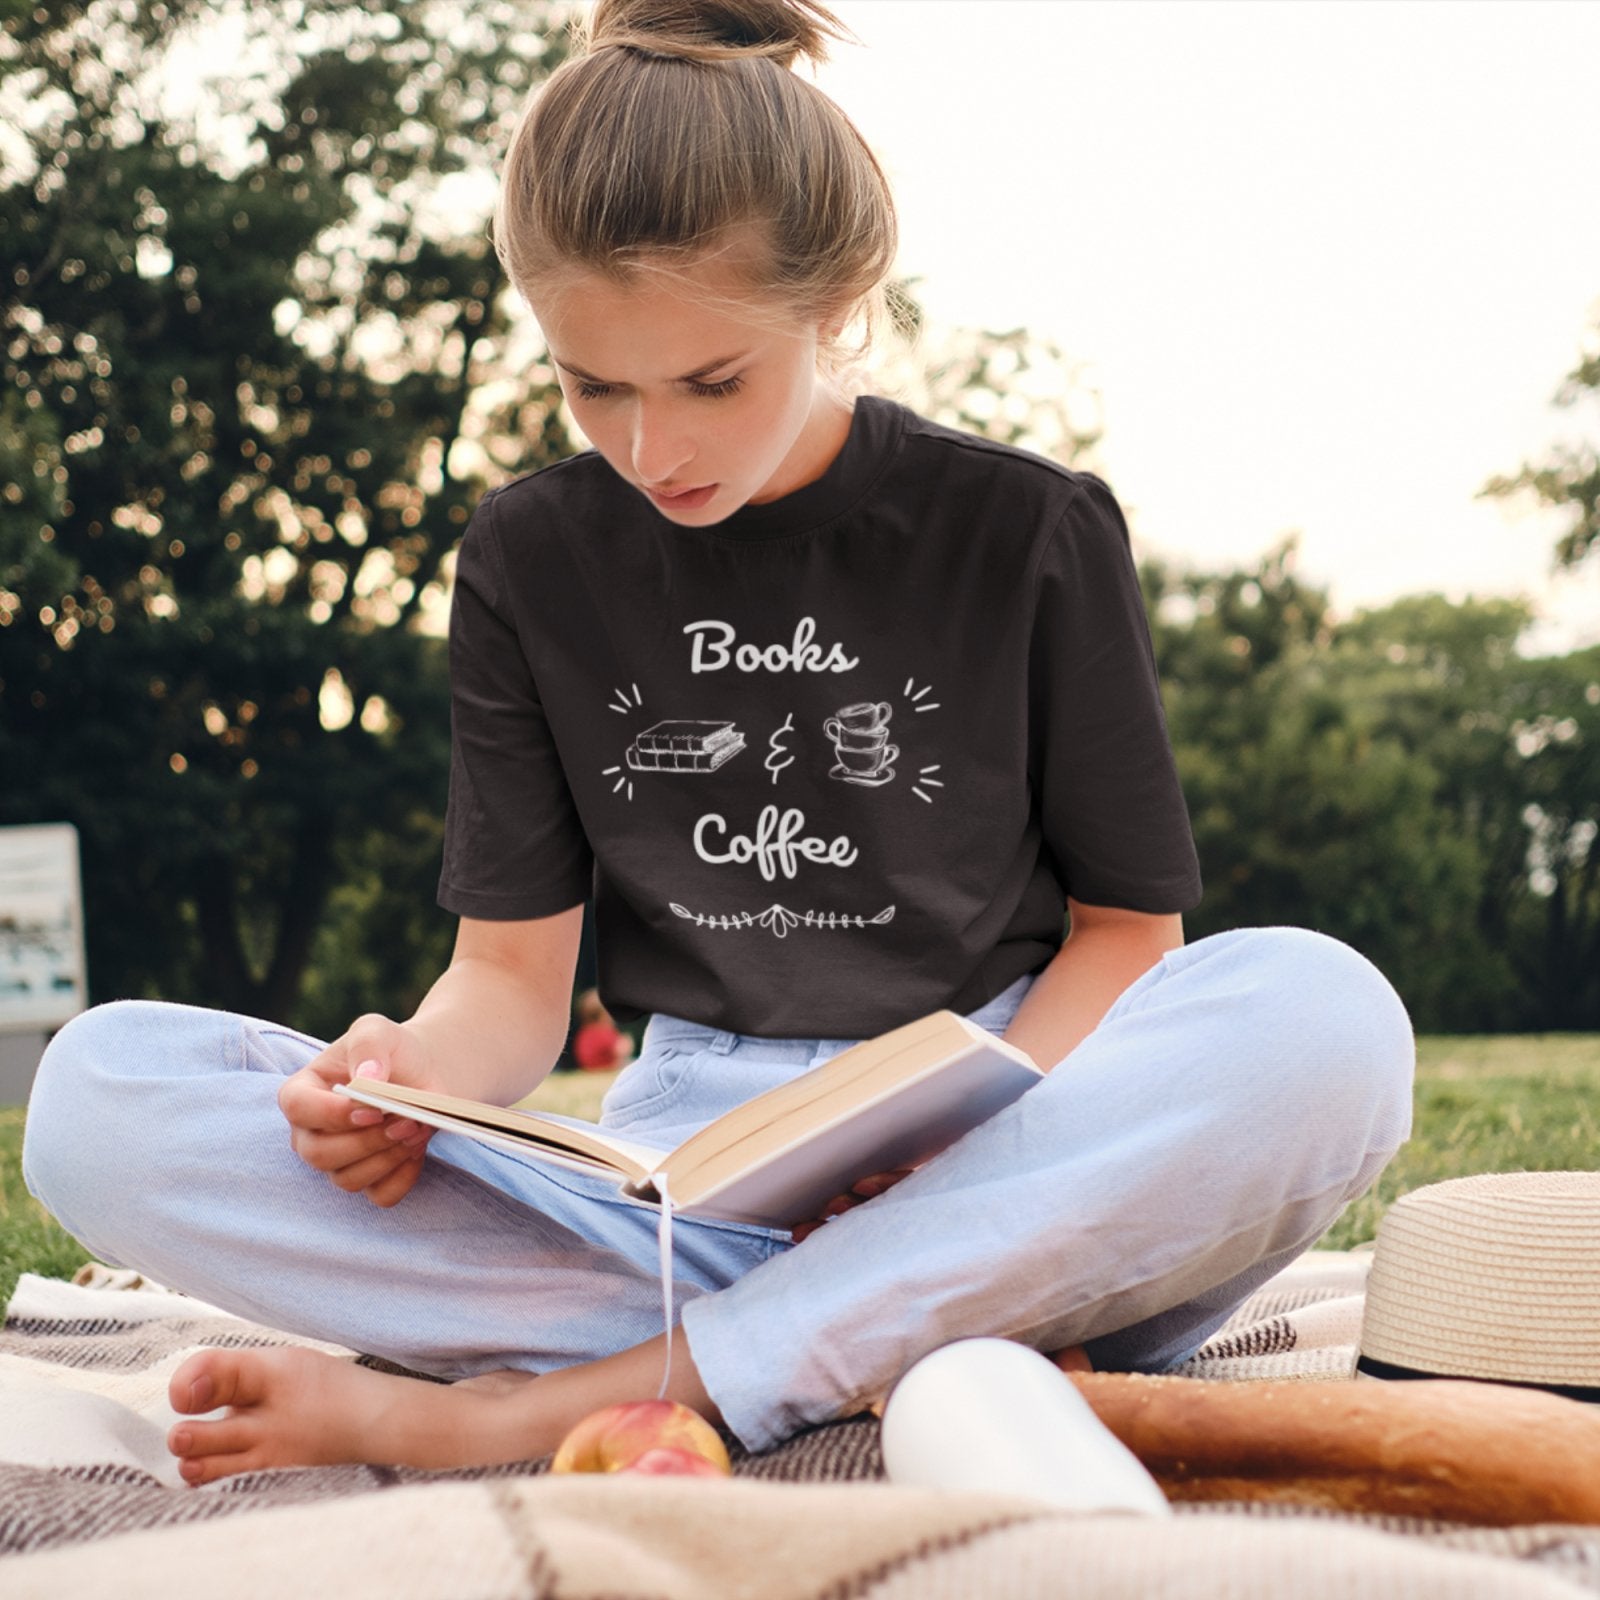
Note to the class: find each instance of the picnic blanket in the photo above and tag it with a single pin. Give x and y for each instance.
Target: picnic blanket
(90, 1502)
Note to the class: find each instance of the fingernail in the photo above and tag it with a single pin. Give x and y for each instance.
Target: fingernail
(369, 1069)
(401, 1128)
(200, 1392)
(179, 1441)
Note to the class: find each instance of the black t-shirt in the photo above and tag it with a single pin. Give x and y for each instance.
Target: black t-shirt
(828, 765)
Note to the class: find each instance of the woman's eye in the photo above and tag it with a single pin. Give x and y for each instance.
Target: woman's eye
(714, 391)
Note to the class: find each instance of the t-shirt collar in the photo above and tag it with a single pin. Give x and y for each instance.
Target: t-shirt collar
(875, 429)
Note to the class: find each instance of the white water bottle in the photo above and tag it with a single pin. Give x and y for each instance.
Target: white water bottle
(995, 1416)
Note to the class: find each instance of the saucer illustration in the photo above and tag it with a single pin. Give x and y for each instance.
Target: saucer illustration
(869, 780)
(860, 735)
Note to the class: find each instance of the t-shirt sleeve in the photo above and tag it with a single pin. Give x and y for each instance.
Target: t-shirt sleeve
(1111, 809)
(514, 846)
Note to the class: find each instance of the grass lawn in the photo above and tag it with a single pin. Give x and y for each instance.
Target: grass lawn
(1483, 1104)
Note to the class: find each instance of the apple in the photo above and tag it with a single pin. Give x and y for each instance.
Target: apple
(616, 1438)
(668, 1461)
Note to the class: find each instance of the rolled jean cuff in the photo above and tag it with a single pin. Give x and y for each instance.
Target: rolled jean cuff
(733, 1379)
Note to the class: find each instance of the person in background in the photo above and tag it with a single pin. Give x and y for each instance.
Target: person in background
(598, 1044)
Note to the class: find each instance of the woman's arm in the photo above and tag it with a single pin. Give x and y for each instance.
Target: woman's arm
(494, 1022)
(490, 1028)
(1106, 950)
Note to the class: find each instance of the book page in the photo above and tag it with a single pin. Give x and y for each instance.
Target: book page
(862, 1072)
(529, 1132)
(787, 1171)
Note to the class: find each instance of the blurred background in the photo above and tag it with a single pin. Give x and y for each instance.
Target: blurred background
(1314, 287)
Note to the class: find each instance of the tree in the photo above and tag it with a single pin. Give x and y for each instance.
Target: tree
(1404, 780)
(1557, 742)
(248, 342)
(1307, 809)
(1569, 478)
(1008, 385)
(1443, 680)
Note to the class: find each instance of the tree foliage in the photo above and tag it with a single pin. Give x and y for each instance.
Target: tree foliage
(1568, 479)
(250, 327)
(1008, 385)
(256, 365)
(1403, 780)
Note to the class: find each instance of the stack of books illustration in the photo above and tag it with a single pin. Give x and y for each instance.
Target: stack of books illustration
(685, 747)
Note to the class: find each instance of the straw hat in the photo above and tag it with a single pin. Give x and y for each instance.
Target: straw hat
(1494, 1277)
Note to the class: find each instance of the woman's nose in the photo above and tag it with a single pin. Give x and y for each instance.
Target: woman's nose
(660, 448)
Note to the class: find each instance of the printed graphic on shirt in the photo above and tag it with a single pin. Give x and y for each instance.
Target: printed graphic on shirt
(772, 763)
(713, 648)
(685, 746)
(858, 748)
(925, 778)
(779, 919)
(860, 735)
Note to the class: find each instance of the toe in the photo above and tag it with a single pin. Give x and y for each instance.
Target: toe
(215, 1378)
(192, 1386)
(196, 1470)
(231, 1436)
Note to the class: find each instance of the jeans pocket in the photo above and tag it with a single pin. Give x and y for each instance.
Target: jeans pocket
(647, 1086)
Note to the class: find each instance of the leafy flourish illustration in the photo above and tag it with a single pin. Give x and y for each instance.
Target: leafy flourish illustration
(778, 919)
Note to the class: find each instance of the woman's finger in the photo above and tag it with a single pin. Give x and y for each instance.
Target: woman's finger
(329, 1152)
(866, 1188)
(373, 1169)
(398, 1184)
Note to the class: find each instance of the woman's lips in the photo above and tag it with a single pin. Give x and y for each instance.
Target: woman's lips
(689, 500)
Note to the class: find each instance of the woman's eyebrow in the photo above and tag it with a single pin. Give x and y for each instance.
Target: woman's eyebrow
(688, 377)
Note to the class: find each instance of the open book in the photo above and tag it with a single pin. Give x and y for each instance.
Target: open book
(776, 1160)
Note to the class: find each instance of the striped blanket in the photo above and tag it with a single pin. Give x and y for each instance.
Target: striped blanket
(90, 1502)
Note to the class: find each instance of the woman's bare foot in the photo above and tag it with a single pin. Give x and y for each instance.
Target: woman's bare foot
(298, 1408)
(295, 1408)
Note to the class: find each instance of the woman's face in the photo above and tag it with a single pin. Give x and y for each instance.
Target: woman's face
(704, 405)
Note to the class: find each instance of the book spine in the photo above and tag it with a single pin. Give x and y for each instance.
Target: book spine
(651, 740)
(645, 760)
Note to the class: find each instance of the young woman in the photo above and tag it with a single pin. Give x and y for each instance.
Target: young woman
(841, 716)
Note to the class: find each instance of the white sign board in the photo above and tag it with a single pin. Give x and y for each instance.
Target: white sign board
(42, 971)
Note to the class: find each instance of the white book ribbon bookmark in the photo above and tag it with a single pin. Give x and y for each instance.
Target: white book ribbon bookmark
(664, 1248)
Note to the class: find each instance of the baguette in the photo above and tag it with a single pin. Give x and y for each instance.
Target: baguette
(1451, 1449)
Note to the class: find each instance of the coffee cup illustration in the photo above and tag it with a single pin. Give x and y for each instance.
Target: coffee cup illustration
(860, 735)
(852, 739)
(863, 718)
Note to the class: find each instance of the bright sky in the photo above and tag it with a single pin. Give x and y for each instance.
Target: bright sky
(1326, 263)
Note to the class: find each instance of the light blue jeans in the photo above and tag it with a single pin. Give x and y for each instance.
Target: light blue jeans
(1231, 1103)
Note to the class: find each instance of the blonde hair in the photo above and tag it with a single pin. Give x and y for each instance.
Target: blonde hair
(681, 132)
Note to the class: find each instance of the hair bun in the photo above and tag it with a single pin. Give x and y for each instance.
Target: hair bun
(716, 30)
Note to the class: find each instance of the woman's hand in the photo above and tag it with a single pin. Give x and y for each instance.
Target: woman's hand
(362, 1150)
(862, 1190)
